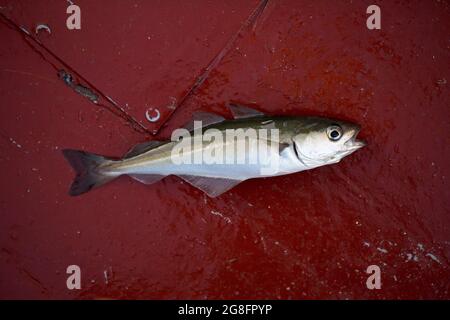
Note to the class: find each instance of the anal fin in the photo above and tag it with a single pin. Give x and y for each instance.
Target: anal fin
(213, 187)
(147, 178)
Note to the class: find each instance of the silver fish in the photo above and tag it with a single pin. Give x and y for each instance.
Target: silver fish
(301, 143)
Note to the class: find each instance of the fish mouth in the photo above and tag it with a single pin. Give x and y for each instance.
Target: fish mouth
(353, 143)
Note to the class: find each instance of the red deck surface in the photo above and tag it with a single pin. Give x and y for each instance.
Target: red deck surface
(307, 235)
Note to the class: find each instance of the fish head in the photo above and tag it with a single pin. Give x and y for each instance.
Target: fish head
(321, 141)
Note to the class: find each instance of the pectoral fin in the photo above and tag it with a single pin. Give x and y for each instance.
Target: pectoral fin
(213, 187)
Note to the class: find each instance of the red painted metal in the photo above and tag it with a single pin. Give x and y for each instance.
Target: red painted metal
(307, 235)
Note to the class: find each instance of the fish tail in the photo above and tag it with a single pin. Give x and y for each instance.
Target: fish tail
(88, 172)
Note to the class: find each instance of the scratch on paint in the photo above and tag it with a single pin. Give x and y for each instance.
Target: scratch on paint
(382, 250)
(106, 274)
(22, 270)
(410, 256)
(250, 21)
(28, 74)
(433, 257)
(12, 141)
(217, 213)
(34, 279)
(263, 243)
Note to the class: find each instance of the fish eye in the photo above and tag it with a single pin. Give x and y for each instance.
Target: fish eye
(334, 132)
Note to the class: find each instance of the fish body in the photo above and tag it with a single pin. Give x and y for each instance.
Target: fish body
(222, 153)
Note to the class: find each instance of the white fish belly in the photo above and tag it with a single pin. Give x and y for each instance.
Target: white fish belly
(238, 166)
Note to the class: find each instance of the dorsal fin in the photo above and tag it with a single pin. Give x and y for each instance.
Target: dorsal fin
(239, 111)
(142, 147)
(213, 187)
(207, 118)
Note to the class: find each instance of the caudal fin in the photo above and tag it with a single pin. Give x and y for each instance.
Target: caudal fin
(88, 175)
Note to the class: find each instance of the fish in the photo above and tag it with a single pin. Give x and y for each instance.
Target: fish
(266, 146)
